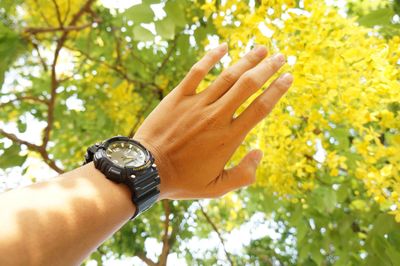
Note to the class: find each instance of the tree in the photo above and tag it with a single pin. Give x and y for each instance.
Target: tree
(330, 177)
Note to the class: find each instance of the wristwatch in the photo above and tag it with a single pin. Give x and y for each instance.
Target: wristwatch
(124, 160)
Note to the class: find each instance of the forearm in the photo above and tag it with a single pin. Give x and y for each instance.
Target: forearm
(61, 221)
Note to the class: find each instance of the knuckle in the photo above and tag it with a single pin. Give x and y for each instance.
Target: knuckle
(273, 65)
(281, 87)
(210, 119)
(213, 55)
(249, 81)
(229, 76)
(247, 173)
(248, 176)
(252, 58)
(261, 108)
(198, 70)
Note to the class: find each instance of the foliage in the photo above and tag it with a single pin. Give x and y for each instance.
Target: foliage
(330, 175)
(378, 14)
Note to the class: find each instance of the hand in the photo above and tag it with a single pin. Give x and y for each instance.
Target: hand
(193, 135)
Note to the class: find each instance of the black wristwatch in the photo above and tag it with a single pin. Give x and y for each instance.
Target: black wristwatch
(124, 160)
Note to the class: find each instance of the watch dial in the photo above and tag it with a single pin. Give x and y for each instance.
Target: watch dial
(126, 154)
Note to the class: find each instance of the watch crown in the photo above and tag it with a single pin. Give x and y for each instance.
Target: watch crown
(133, 176)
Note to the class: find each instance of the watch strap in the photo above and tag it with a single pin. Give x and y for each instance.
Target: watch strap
(143, 184)
(144, 189)
(89, 155)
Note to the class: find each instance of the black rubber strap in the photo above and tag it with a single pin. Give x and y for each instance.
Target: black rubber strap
(90, 153)
(144, 189)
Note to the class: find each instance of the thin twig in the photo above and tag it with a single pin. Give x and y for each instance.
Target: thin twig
(67, 12)
(162, 260)
(117, 69)
(167, 56)
(24, 98)
(58, 13)
(45, 68)
(63, 29)
(139, 119)
(41, 13)
(217, 231)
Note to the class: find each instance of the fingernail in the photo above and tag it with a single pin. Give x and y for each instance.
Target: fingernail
(279, 58)
(260, 50)
(257, 156)
(223, 47)
(287, 78)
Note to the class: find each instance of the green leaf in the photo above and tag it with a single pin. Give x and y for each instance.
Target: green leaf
(394, 239)
(10, 5)
(140, 14)
(317, 256)
(302, 229)
(379, 246)
(380, 17)
(11, 157)
(142, 34)
(358, 204)
(175, 10)
(10, 46)
(324, 199)
(165, 28)
(21, 126)
(342, 193)
(342, 136)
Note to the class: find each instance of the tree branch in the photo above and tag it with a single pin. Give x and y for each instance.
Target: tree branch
(167, 56)
(14, 138)
(67, 12)
(33, 147)
(58, 13)
(162, 259)
(41, 13)
(54, 81)
(63, 29)
(45, 68)
(139, 119)
(24, 98)
(159, 91)
(145, 259)
(117, 69)
(217, 231)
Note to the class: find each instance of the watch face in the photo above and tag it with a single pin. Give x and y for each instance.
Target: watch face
(127, 154)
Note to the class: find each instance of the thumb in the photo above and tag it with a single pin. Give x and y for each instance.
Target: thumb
(244, 173)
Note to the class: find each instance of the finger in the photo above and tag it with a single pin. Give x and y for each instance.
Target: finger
(201, 68)
(263, 104)
(250, 82)
(229, 76)
(241, 175)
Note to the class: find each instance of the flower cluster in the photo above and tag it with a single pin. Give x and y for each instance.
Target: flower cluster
(341, 118)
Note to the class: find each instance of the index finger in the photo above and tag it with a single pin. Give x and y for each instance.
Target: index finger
(199, 70)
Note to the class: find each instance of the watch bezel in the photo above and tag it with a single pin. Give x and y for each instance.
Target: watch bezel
(108, 142)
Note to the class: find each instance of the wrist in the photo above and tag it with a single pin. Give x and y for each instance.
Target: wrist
(121, 196)
(164, 167)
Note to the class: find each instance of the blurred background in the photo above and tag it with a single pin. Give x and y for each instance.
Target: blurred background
(327, 193)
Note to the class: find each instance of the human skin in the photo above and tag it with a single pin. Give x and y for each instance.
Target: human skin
(191, 136)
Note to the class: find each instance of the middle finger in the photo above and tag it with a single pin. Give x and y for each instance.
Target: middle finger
(250, 82)
(229, 76)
